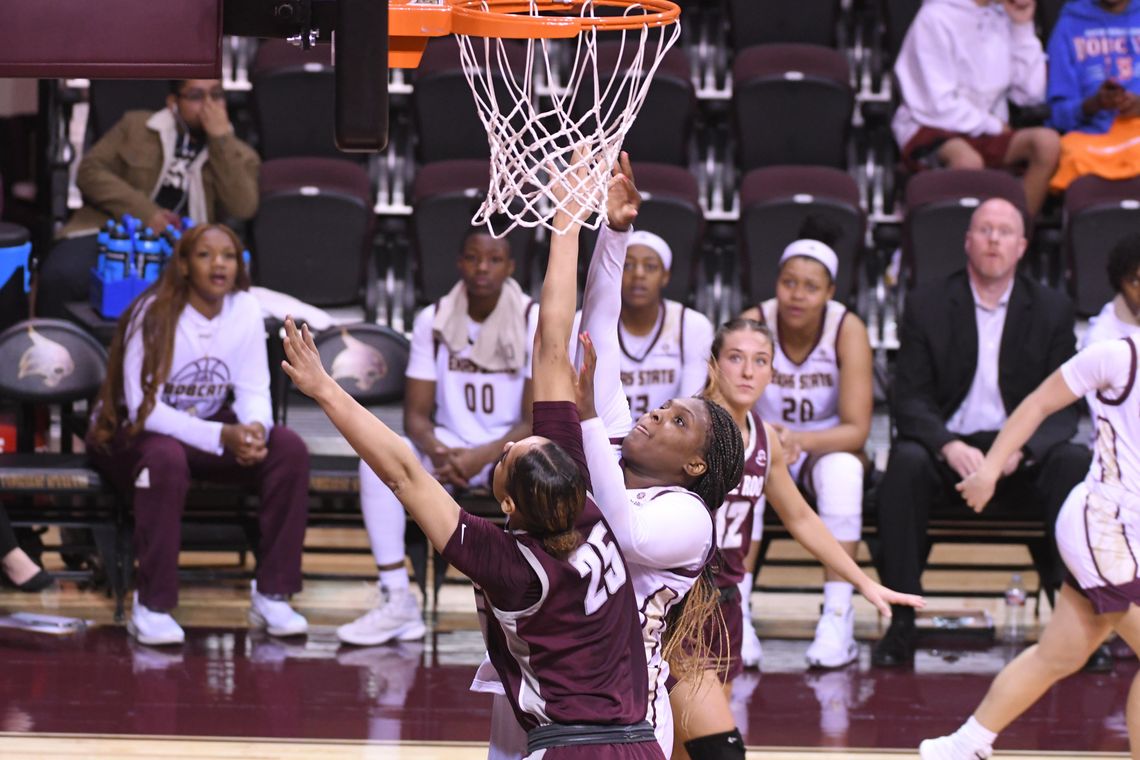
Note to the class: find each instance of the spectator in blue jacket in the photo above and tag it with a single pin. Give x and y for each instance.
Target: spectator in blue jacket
(1094, 89)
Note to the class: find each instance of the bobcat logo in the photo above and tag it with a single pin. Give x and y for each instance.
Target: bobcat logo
(360, 362)
(46, 358)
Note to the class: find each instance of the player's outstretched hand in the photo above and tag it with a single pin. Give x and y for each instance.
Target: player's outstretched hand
(584, 381)
(883, 597)
(302, 361)
(622, 198)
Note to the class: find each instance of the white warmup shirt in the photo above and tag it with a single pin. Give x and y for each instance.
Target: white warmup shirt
(475, 404)
(804, 396)
(211, 358)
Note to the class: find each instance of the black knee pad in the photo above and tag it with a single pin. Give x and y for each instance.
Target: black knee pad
(724, 746)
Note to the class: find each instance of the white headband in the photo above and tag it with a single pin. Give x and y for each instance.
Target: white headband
(657, 244)
(813, 249)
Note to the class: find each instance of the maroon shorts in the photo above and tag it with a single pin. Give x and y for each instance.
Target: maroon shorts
(922, 149)
(726, 642)
(639, 751)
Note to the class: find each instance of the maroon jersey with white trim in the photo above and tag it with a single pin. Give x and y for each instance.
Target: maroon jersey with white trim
(743, 504)
(563, 635)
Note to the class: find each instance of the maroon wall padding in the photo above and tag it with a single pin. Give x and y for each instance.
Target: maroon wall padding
(111, 39)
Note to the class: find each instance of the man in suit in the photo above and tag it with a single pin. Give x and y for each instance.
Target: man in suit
(972, 347)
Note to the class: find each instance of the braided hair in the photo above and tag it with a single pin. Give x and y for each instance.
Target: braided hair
(724, 457)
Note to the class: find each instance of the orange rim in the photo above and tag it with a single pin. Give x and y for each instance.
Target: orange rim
(512, 19)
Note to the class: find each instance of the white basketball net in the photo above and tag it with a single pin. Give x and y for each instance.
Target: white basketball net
(540, 141)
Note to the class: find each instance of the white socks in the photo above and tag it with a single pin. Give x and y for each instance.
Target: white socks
(837, 595)
(394, 580)
(973, 736)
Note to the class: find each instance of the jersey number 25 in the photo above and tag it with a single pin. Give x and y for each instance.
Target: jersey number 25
(599, 559)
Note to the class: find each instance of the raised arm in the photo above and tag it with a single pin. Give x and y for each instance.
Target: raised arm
(601, 302)
(384, 451)
(552, 375)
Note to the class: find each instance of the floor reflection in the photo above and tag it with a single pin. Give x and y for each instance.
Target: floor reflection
(236, 683)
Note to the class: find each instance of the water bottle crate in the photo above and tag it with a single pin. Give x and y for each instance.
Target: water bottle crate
(111, 297)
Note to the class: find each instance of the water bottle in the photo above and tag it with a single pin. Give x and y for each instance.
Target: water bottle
(101, 241)
(1015, 609)
(131, 224)
(149, 255)
(118, 257)
(169, 240)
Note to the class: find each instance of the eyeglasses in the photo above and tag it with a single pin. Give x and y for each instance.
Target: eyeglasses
(197, 96)
(987, 231)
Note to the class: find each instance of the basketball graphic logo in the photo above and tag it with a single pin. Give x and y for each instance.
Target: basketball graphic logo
(198, 388)
(359, 362)
(45, 358)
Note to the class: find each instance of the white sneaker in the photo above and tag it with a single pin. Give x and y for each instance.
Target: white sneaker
(397, 616)
(274, 615)
(751, 653)
(834, 644)
(153, 628)
(947, 748)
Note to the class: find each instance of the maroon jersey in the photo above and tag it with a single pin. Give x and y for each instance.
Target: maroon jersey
(563, 635)
(743, 504)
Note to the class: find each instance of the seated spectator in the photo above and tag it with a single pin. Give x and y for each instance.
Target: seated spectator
(182, 161)
(820, 402)
(19, 569)
(1120, 317)
(664, 344)
(1094, 90)
(467, 394)
(959, 63)
(182, 348)
(973, 346)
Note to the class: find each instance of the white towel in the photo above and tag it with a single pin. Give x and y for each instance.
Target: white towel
(501, 345)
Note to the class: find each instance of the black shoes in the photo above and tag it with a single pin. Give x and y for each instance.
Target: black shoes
(37, 583)
(896, 648)
(1100, 661)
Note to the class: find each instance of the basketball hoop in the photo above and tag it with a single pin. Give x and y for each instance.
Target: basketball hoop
(542, 141)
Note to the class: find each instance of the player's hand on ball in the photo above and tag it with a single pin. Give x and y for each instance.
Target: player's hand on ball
(302, 360)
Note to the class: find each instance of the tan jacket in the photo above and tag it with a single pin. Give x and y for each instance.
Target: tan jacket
(121, 174)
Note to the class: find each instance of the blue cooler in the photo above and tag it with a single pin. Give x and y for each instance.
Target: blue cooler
(15, 273)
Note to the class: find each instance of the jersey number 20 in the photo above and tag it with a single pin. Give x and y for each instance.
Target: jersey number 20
(600, 559)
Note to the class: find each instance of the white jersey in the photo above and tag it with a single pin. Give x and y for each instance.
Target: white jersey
(1105, 373)
(1107, 326)
(804, 396)
(669, 362)
(658, 590)
(666, 534)
(475, 404)
(212, 358)
(1098, 527)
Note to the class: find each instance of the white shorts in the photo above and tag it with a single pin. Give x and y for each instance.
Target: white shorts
(1096, 531)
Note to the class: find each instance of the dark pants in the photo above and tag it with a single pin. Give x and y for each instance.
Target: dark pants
(65, 275)
(8, 540)
(916, 484)
(282, 479)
